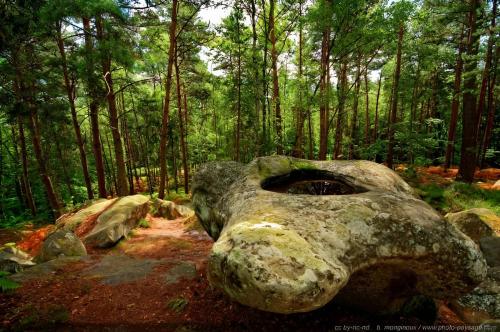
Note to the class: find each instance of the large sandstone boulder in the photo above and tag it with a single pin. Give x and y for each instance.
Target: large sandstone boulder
(117, 221)
(61, 243)
(70, 222)
(293, 234)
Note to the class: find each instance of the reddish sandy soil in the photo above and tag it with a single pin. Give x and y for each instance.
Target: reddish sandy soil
(89, 295)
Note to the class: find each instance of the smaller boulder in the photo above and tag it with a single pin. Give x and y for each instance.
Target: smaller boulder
(170, 210)
(13, 259)
(61, 244)
(476, 223)
(165, 209)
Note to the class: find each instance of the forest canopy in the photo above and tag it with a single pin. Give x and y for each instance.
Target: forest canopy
(104, 98)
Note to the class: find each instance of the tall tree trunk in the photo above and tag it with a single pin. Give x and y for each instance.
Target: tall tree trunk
(354, 120)
(42, 164)
(94, 108)
(469, 112)
(166, 103)
(298, 150)
(340, 115)
(276, 89)
(121, 172)
(486, 74)
(70, 91)
(394, 105)
(24, 159)
(367, 109)
(238, 89)
(323, 92)
(256, 86)
(181, 128)
(375, 121)
(310, 136)
(265, 131)
(455, 104)
(492, 103)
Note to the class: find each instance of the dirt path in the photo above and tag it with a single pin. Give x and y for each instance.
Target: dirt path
(155, 280)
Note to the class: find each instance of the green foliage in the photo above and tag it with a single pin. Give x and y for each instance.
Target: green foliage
(7, 285)
(178, 304)
(143, 223)
(459, 196)
(178, 196)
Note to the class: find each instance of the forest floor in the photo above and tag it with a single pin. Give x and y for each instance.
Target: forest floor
(156, 280)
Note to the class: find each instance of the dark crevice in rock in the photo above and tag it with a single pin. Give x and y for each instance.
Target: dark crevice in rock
(310, 182)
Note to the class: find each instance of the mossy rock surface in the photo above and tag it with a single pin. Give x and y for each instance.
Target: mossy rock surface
(287, 248)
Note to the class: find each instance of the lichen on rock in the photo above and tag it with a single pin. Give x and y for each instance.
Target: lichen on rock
(294, 247)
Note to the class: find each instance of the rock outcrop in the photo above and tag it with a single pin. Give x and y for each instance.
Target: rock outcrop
(61, 244)
(117, 221)
(294, 234)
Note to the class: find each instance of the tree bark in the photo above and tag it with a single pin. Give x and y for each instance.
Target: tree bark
(323, 91)
(375, 121)
(70, 91)
(276, 89)
(455, 104)
(42, 165)
(121, 172)
(394, 104)
(166, 103)
(354, 120)
(340, 115)
(181, 128)
(367, 109)
(298, 150)
(469, 112)
(492, 103)
(486, 73)
(238, 89)
(24, 159)
(94, 109)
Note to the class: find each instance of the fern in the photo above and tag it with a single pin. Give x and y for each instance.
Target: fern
(7, 284)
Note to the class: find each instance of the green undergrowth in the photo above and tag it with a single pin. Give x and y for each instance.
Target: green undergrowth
(178, 304)
(459, 196)
(143, 223)
(7, 285)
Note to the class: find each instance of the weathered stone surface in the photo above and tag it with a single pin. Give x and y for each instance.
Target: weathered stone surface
(293, 234)
(476, 223)
(120, 269)
(13, 259)
(182, 270)
(117, 221)
(61, 243)
(482, 304)
(70, 222)
(47, 269)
